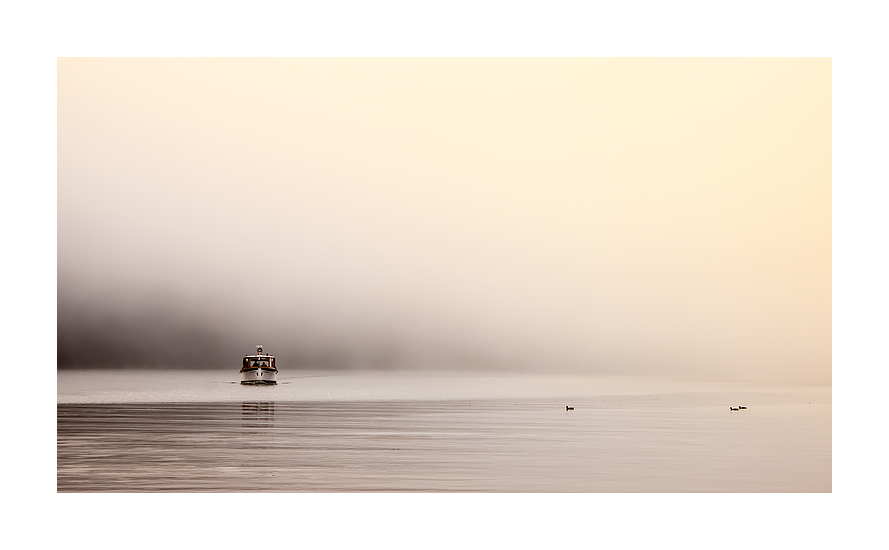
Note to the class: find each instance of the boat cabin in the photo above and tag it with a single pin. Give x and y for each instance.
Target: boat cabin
(258, 361)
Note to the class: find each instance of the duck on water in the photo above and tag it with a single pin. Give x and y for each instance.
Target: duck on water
(259, 369)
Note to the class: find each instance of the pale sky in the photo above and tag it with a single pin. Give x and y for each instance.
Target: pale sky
(597, 215)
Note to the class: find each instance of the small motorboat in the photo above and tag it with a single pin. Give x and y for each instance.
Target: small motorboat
(567, 408)
(259, 369)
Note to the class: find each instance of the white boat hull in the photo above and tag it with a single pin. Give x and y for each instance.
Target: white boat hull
(258, 377)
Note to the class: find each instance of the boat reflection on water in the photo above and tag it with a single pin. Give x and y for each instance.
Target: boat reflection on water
(258, 414)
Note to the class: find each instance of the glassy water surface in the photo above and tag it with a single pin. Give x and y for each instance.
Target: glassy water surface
(352, 435)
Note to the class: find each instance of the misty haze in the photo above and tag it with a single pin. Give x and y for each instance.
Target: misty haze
(668, 217)
(597, 275)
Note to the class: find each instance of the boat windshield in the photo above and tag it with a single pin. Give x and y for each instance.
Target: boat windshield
(258, 362)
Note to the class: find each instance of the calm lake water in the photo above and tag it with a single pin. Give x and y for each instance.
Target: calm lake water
(161, 431)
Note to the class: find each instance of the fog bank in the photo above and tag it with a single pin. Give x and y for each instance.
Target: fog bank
(597, 216)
